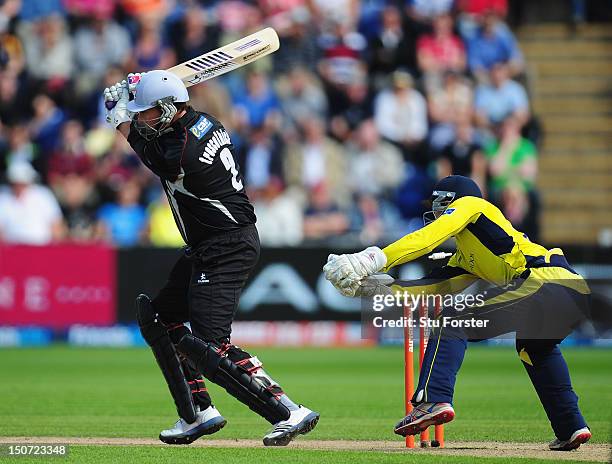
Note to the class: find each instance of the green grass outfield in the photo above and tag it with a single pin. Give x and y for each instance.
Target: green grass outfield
(87, 392)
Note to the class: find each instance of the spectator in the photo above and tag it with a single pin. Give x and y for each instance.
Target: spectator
(464, 156)
(139, 8)
(301, 98)
(317, 160)
(346, 11)
(323, 217)
(90, 8)
(375, 221)
(471, 11)
(234, 18)
(46, 123)
(401, 114)
(342, 49)
(20, 147)
(440, 51)
(117, 165)
(578, 11)
(493, 43)
(212, 96)
(12, 58)
(370, 12)
(350, 107)
(149, 50)
(99, 44)
(425, 11)
(480, 7)
(409, 197)
(448, 105)
(79, 203)
(512, 159)
(280, 15)
(193, 35)
(162, 230)
(70, 157)
(377, 167)
(29, 213)
(9, 10)
(300, 48)
(123, 223)
(453, 101)
(513, 170)
(257, 105)
(279, 215)
(48, 49)
(13, 104)
(391, 48)
(263, 158)
(501, 99)
(32, 10)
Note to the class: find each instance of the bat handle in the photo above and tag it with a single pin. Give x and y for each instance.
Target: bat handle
(110, 104)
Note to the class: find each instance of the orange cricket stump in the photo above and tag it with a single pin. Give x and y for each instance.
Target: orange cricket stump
(423, 340)
(424, 333)
(439, 429)
(408, 367)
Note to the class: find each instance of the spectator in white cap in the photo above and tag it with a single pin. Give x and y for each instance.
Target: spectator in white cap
(29, 213)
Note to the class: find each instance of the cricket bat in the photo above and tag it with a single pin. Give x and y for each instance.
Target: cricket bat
(223, 59)
(228, 57)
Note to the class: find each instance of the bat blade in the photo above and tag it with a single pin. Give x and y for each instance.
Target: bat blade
(224, 59)
(228, 57)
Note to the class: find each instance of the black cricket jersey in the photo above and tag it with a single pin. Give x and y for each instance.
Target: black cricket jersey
(195, 162)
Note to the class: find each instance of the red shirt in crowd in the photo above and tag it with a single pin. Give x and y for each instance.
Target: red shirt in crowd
(447, 52)
(478, 7)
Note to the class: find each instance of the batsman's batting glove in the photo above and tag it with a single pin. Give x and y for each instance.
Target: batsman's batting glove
(346, 271)
(119, 113)
(133, 79)
(111, 97)
(112, 93)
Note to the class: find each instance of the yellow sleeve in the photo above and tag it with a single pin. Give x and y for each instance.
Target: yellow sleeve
(456, 217)
(453, 261)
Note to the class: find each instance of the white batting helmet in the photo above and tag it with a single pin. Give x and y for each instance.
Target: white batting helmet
(154, 86)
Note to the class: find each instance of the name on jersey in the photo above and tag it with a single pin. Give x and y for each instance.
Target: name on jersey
(216, 141)
(200, 128)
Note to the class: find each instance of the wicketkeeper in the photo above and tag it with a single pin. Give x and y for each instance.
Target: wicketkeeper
(535, 294)
(193, 156)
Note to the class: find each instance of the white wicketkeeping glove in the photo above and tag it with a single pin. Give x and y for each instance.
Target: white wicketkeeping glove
(377, 284)
(346, 271)
(119, 95)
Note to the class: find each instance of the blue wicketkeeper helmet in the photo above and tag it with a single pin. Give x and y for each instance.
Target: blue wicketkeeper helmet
(448, 190)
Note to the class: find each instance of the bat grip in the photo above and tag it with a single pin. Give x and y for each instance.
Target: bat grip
(110, 104)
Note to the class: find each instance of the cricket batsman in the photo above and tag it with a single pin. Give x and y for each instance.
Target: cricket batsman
(193, 156)
(537, 294)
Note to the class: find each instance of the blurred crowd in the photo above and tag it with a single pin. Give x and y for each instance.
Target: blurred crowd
(340, 134)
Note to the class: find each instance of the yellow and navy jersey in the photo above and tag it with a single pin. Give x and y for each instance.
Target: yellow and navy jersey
(488, 247)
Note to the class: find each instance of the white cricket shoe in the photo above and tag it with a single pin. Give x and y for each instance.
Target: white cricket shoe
(208, 422)
(578, 438)
(300, 422)
(423, 416)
